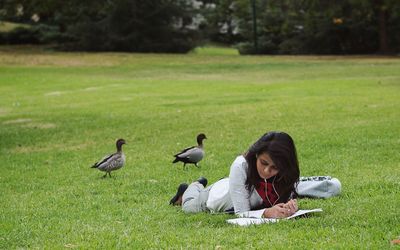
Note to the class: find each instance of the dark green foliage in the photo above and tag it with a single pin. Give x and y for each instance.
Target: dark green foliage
(322, 27)
(39, 34)
(141, 26)
(283, 27)
(220, 21)
(20, 35)
(118, 25)
(50, 34)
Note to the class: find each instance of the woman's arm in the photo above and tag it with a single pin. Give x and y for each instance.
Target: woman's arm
(237, 188)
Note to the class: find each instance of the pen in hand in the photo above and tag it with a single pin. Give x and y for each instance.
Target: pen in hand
(291, 205)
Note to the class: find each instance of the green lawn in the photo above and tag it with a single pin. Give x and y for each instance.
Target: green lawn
(9, 26)
(61, 112)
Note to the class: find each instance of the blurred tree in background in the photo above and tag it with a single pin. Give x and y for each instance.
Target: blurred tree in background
(220, 23)
(322, 27)
(283, 26)
(112, 25)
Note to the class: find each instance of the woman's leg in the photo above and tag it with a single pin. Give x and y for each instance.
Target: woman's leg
(195, 198)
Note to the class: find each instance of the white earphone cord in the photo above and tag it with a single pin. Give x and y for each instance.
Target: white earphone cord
(266, 191)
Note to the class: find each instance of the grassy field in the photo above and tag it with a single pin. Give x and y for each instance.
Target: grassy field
(61, 112)
(8, 26)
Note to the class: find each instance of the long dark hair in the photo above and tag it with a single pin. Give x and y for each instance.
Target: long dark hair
(280, 147)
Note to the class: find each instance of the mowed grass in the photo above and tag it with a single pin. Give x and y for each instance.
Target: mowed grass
(61, 112)
(9, 26)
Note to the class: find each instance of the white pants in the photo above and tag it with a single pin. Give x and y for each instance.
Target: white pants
(194, 199)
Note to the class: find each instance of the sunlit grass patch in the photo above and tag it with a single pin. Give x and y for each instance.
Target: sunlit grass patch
(9, 26)
(216, 50)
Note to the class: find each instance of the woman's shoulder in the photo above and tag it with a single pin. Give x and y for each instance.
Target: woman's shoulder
(239, 159)
(240, 162)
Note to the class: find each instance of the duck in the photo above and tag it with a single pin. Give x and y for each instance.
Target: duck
(113, 161)
(193, 154)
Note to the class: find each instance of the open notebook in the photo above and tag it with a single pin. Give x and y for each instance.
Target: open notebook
(256, 221)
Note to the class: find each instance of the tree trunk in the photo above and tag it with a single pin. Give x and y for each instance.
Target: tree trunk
(382, 15)
(383, 37)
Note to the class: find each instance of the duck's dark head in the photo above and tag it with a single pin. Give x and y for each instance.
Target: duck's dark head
(200, 138)
(119, 143)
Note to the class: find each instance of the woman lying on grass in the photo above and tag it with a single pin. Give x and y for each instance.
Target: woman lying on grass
(262, 183)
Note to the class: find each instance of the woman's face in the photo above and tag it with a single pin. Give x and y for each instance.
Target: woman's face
(265, 166)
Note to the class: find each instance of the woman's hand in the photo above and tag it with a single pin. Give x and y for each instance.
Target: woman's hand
(292, 205)
(282, 210)
(278, 211)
